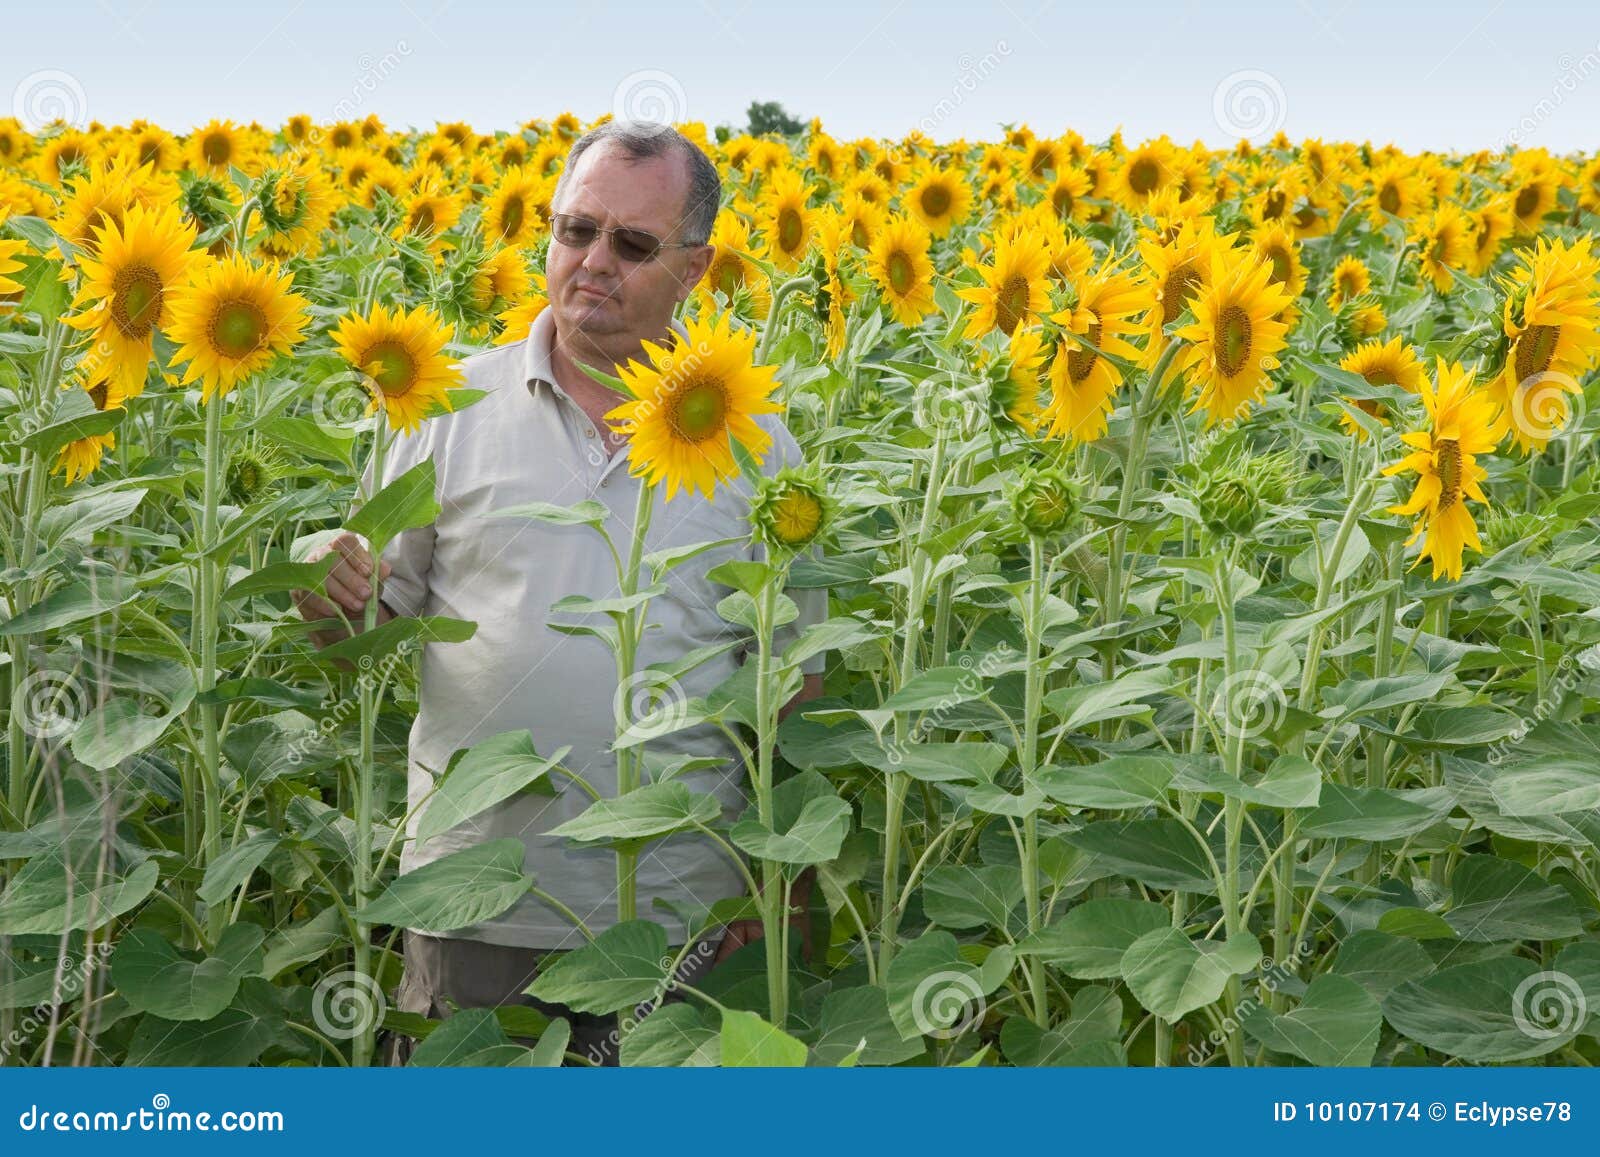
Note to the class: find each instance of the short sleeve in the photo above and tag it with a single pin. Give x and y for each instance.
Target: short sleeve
(410, 553)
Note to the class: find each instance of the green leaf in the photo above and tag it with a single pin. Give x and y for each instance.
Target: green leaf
(233, 868)
(462, 1035)
(811, 822)
(154, 977)
(115, 731)
(1092, 1036)
(1500, 1008)
(1357, 695)
(1373, 814)
(407, 503)
(282, 576)
(1378, 961)
(1547, 785)
(1158, 853)
(1336, 1024)
(750, 1042)
(70, 604)
(585, 513)
(40, 899)
(1494, 899)
(856, 1022)
(486, 774)
(933, 990)
(938, 688)
(1415, 924)
(673, 1036)
(1123, 781)
(406, 631)
(653, 811)
(463, 888)
(237, 1036)
(1171, 975)
(1080, 706)
(302, 943)
(625, 965)
(963, 896)
(1090, 940)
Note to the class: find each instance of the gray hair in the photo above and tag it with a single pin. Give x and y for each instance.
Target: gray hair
(640, 140)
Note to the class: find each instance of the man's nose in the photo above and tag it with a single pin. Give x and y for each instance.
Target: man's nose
(599, 261)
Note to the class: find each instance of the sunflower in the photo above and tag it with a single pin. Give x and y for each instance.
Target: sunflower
(1551, 319)
(1017, 394)
(430, 208)
(790, 510)
(8, 259)
(1350, 279)
(231, 320)
(824, 157)
(1082, 381)
(1492, 224)
(1444, 243)
(833, 294)
(1066, 193)
(786, 222)
(1397, 191)
(1176, 270)
(864, 220)
(516, 320)
(126, 288)
(1276, 245)
(62, 153)
(296, 204)
(899, 265)
(940, 199)
(1534, 194)
(500, 279)
(1235, 336)
(400, 358)
(1589, 186)
(81, 457)
(1392, 363)
(690, 402)
(15, 141)
(732, 272)
(1146, 171)
(511, 215)
(1462, 424)
(216, 147)
(1015, 289)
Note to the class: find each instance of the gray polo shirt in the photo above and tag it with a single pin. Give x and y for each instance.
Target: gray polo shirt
(529, 441)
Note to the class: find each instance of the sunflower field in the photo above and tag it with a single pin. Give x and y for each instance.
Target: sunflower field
(1209, 537)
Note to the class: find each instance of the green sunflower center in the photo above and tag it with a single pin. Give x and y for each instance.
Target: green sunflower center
(392, 367)
(238, 329)
(1233, 340)
(136, 301)
(699, 411)
(901, 274)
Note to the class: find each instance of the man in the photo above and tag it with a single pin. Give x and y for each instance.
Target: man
(540, 435)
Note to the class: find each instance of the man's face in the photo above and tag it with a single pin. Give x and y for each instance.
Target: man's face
(599, 299)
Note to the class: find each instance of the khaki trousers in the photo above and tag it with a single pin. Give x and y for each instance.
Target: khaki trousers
(444, 974)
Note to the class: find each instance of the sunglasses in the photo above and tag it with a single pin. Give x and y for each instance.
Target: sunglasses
(633, 245)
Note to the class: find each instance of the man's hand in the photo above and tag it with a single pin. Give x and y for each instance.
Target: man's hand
(348, 586)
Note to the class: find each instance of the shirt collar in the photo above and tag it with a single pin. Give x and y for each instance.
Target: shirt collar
(541, 340)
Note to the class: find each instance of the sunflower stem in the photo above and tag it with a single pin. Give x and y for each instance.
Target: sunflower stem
(630, 759)
(206, 609)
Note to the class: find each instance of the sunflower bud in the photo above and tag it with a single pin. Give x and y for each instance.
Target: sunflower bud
(791, 509)
(1235, 495)
(1043, 500)
(253, 470)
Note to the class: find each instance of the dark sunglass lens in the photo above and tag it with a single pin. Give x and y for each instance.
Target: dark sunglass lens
(635, 244)
(575, 231)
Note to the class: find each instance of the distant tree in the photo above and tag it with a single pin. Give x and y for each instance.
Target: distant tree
(768, 116)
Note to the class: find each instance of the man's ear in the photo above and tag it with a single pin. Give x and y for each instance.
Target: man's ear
(699, 260)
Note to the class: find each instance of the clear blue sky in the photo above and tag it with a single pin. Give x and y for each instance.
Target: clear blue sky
(1466, 74)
